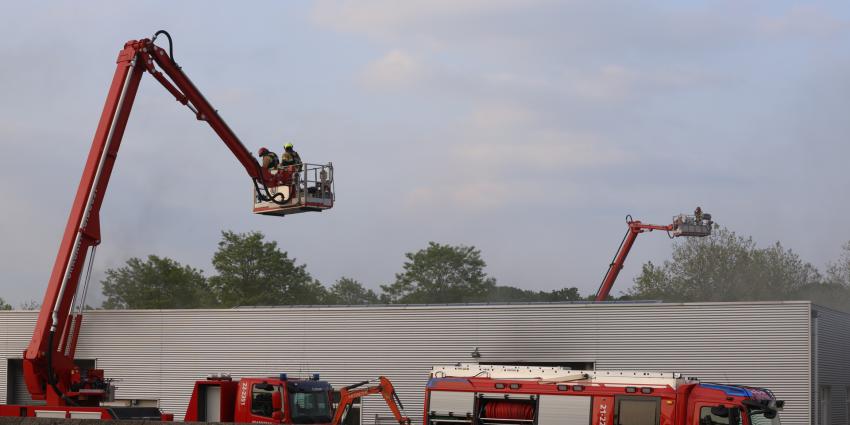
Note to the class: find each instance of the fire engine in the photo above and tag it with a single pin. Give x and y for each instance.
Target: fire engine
(283, 400)
(473, 394)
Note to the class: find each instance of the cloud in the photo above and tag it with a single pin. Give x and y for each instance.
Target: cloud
(470, 194)
(503, 135)
(501, 153)
(552, 150)
(617, 84)
(802, 21)
(396, 69)
(499, 115)
(611, 82)
(387, 18)
(566, 31)
(460, 192)
(35, 218)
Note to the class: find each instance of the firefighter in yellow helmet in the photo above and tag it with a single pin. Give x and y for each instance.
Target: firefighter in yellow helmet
(290, 157)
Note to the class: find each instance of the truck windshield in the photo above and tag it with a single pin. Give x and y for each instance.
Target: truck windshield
(312, 407)
(719, 416)
(757, 417)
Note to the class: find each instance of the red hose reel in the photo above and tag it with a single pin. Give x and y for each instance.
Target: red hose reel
(508, 409)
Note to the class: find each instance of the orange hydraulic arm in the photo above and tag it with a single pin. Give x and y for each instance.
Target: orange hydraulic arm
(49, 370)
(349, 394)
(698, 224)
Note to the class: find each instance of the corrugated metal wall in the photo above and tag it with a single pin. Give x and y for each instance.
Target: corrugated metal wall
(833, 360)
(17, 392)
(159, 354)
(15, 332)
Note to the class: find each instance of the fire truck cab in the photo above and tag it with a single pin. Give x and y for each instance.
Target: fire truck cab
(472, 394)
(278, 400)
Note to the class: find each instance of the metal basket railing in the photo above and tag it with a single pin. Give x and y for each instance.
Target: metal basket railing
(315, 181)
(309, 182)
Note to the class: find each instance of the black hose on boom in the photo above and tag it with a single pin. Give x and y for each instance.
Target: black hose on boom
(359, 384)
(170, 44)
(629, 221)
(397, 400)
(51, 380)
(277, 198)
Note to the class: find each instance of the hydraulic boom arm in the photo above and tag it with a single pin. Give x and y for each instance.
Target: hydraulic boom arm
(49, 370)
(698, 224)
(349, 394)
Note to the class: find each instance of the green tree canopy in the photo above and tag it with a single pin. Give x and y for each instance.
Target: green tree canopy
(4, 305)
(30, 305)
(725, 267)
(838, 273)
(441, 274)
(512, 294)
(254, 272)
(835, 290)
(351, 292)
(157, 283)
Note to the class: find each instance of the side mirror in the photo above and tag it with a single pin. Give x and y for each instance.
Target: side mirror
(720, 411)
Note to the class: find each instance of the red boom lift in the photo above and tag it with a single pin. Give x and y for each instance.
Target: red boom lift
(698, 224)
(49, 369)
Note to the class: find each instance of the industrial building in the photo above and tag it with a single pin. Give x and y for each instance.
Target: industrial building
(797, 349)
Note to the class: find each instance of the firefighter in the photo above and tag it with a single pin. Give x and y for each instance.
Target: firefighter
(269, 158)
(290, 157)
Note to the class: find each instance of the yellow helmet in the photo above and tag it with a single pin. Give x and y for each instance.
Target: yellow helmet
(287, 146)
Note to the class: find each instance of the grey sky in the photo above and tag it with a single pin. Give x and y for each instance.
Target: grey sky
(526, 128)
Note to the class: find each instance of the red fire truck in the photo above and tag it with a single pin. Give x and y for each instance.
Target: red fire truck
(283, 400)
(527, 395)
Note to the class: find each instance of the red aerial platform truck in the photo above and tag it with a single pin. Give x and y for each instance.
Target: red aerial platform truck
(697, 225)
(473, 394)
(48, 363)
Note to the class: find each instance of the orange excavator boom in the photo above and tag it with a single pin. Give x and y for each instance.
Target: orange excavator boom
(347, 396)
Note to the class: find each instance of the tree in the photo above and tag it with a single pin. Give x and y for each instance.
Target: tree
(563, 294)
(834, 291)
(839, 272)
(351, 292)
(254, 272)
(30, 305)
(512, 294)
(4, 305)
(653, 282)
(833, 295)
(780, 274)
(157, 283)
(441, 274)
(725, 267)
